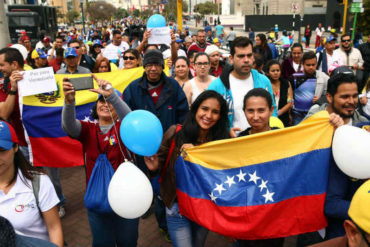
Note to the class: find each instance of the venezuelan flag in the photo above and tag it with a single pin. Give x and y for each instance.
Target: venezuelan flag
(49, 145)
(266, 185)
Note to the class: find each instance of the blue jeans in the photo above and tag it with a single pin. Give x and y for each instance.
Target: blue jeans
(183, 232)
(109, 230)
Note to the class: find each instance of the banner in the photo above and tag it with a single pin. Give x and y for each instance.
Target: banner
(48, 144)
(261, 186)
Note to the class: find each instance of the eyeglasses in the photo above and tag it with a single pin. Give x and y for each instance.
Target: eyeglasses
(77, 47)
(129, 57)
(202, 64)
(346, 40)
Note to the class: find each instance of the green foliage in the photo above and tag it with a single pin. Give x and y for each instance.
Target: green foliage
(121, 13)
(363, 19)
(146, 14)
(135, 13)
(72, 15)
(170, 9)
(100, 11)
(206, 8)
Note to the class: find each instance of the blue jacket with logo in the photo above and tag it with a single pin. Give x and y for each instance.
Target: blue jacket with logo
(171, 107)
(222, 86)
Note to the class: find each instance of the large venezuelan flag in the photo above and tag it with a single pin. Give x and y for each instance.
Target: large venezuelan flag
(49, 145)
(266, 185)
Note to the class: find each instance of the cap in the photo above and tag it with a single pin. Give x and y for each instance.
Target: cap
(188, 39)
(7, 135)
(97, 42)
(153, 56)
(25, 37)
(38, 53)
(359, 208)
(70, 52)
(46, 39)
(211, 49)
(178, 40)
(342, 70)
(331, 38)
(215, 40)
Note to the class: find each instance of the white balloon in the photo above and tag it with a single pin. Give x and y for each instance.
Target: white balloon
(130, 192)
(351, 151)
(21, 49)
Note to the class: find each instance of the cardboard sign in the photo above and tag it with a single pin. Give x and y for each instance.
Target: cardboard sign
(37, 81)
(159, 35)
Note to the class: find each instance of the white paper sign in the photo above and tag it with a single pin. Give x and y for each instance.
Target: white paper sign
(37, 81)
(160, 35)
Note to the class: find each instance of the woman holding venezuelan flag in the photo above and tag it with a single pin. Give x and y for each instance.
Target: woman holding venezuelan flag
(207, 121)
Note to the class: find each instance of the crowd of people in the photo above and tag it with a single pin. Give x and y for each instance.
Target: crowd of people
(207, 95)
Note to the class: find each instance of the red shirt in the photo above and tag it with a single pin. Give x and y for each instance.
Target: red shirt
(15, 117)
(197, 48)
(108, 143)
(155, 92)
(216, 72)
(55, 64)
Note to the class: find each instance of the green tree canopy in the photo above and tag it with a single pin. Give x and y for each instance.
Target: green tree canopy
(206, 8)
(100, 11)
(72, 15)
(364, 18)
(170, 9)
(121, 13)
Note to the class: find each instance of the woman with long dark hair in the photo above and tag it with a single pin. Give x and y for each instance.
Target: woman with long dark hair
(293, 64)
(207, 121)
(182, 70)
(262, 47)
(32, 211)
(282, 91)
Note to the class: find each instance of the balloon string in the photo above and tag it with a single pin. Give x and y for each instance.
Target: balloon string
(115, 130)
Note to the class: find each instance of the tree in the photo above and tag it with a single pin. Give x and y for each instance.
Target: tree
(101, 11)
(206, 8)
(136, 13)
(170, 9)
(72, 15)
(146, 14)
(121, 13)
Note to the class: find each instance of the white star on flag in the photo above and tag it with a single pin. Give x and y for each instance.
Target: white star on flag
(219, 188)
(263, 185)
(268, 196)
(106, 138)
(230, 181)
(86, 119)
(213, 197)
(254, 177)
(241, 176)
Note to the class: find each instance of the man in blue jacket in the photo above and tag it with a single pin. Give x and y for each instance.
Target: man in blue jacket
(236, 81)
(162, 96)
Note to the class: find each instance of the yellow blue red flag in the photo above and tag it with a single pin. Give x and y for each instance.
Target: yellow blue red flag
(42, 118)
(261, 186)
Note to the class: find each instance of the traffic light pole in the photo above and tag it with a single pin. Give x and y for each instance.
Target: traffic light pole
(354, 27)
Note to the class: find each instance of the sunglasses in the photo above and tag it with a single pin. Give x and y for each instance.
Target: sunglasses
(346, 40)
(129, 57)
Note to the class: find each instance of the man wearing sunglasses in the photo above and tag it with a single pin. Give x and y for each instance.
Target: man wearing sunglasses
(83, 60)
(349, 55)
(357, 226)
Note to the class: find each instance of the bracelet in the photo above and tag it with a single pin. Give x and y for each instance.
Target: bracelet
(11, 92)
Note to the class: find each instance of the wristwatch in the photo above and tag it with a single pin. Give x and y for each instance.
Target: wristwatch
(11, 92)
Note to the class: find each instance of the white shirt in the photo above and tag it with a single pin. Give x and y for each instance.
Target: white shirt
(167, 53)
(196, 90)
(113, 52)
(19, 206)
(295, 66)
(366, 108)
(319, 31)
(239, 88)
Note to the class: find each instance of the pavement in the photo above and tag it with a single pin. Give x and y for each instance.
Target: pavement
(76, 227)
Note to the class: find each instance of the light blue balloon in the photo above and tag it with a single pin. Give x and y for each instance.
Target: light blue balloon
(156, 21)
(141, 132)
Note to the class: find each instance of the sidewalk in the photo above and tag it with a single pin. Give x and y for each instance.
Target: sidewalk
(76, 225)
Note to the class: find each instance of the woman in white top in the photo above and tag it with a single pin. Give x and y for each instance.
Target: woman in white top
(202, 80)
(18, 202)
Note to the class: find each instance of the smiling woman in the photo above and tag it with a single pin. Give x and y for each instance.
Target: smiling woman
(32, 212)
(207, 121)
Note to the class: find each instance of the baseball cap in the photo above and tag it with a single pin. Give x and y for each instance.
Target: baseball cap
(7, 135)
(46, 39)
(97, 42)
(178, 40)
(38, 53)
(70, 52)
(331, 38)
(211, 49)
(188, 39)
(359, 208)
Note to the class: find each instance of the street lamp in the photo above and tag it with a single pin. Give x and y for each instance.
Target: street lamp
(82, 14)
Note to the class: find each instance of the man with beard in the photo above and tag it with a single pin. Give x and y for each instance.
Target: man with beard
(200, 45)
(237, 80)
(342, 95)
